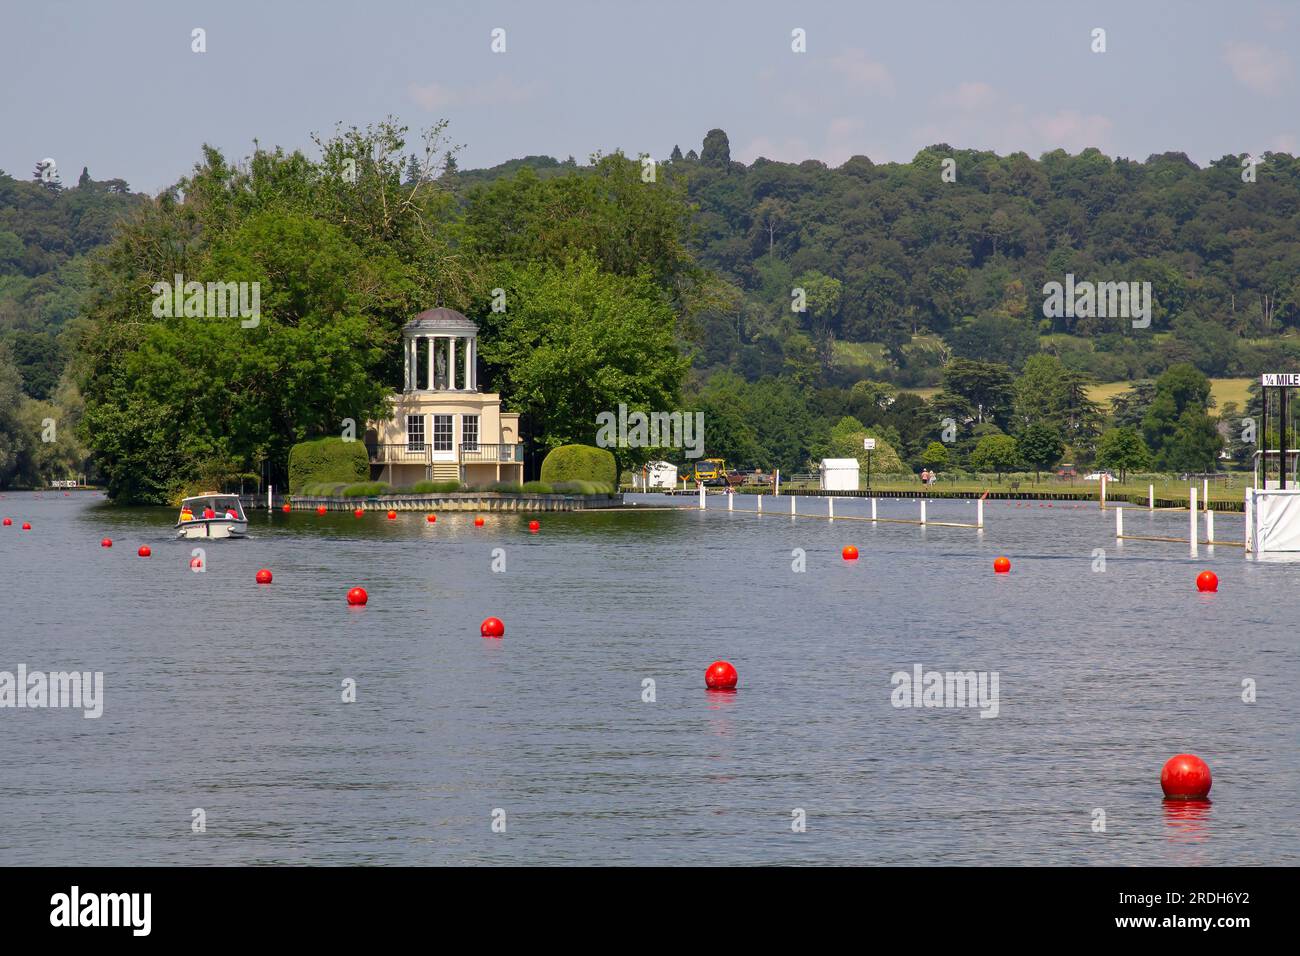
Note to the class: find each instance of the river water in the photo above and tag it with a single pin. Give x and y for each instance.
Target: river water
(226, 696)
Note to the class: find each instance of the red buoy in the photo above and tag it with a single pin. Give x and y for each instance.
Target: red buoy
(431, 518)
(720, 675)
(27, 526)
(358, 513)
(196, 564)
(8, 522)
(358, 596)
(106, 543)
(1185, 777)
(534, 526)
(144, 551)
(320, 509)
(850, 553)
(264, 576)
(392, 515)
(1207, 581)
(492, 627)
(1001, 565)
(478, 522)
(286, 509)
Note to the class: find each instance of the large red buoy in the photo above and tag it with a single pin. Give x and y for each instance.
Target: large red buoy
(196, 564)
(392, 515)
(478, 522)
(1207, 581)
(358, 513)
(849, 553)
(431, 518)
(320, 509)
(534, 526)
(27, 526)
(264, 576)
(106, 543)
(144, 551)
(1185, 777)
(720, 675)
(358, 596)
(1002, 565)
(492, 627)
(8, 522)
(285, 508)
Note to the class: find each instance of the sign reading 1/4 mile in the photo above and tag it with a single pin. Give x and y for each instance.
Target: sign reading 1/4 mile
(868, 443)
(1280, 379)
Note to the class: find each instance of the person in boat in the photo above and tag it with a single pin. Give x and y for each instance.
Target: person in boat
(186, 513)
(208, 512)
(230, 512)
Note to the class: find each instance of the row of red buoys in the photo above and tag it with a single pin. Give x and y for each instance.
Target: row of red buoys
(533, 526)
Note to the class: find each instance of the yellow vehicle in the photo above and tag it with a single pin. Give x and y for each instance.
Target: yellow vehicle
(710, 471)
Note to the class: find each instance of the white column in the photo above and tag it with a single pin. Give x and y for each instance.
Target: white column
(469, 364)
(979, 513)
(406, 365)
(1209, 527)
(451, 363)
(702, 506)
(1192, 510)
(1119, 521)
(432, 343)
(792, 501)
(1151, 497)
(922, 511)
(830, 507)
(873, 509)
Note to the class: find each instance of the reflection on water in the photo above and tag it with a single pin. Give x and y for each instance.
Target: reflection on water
(226, 695)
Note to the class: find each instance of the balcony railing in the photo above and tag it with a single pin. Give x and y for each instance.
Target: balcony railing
(475, 452)
(424, 454)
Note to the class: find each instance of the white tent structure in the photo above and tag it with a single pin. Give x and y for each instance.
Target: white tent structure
(839, 474)
(660, 474)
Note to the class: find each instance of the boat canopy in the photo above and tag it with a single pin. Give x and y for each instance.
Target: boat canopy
(218, 502)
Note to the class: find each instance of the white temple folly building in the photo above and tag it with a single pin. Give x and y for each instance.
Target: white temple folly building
(443, 427)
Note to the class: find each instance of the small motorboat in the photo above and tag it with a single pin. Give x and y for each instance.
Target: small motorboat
(212, 516)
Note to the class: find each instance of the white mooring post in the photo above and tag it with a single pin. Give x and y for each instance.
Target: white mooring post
(1119, 522)
(873, 509)
(1191, 496)
(760, 503)
(701, 497)
(792, 501)
(731, 503)
(922, 511)
(270, 490)
(1205, 493)
(1103, 492)
(979, 513)
(776, 483)
(1209, 527)
(830, 508)
(1151, 497)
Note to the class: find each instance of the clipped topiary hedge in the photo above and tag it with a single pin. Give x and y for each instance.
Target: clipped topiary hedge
(582, 463)
(536, 488)
(331, 460)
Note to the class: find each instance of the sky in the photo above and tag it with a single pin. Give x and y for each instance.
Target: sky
(118, 88)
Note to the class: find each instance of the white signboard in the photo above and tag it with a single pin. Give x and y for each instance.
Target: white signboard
(868, 443)
(1276, 379)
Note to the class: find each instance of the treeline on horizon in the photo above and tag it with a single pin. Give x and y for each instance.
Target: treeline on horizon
(663, 294)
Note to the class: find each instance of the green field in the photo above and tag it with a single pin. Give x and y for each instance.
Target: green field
(1222, 390)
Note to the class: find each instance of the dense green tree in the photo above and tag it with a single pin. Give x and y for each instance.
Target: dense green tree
(987, 386)
(996, 453)
(1123, 450)
(1040, 447)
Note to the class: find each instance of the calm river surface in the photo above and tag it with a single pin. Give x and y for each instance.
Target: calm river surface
(226, 696)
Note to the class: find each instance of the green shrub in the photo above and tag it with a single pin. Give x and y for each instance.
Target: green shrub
(506, 487)
(580, 463)
(580, 488)
(322, 489)
(367, 489)
(435, 487)
(327, 460)
(537, 488)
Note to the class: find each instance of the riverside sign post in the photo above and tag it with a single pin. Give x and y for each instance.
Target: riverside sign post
(868, 444)
(1283, 382)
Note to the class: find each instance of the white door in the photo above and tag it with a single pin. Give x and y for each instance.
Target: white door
(442, 441)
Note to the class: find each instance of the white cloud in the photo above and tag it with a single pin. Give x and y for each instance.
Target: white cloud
(970, 95)
(862, 74)
(500, 91)
(1071, 130)
(1257, 67)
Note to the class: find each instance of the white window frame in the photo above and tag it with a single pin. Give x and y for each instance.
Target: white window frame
(412, 443)
(449, 452)
(467, 443)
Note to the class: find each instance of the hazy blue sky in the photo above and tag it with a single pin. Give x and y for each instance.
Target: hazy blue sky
(116, 87)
